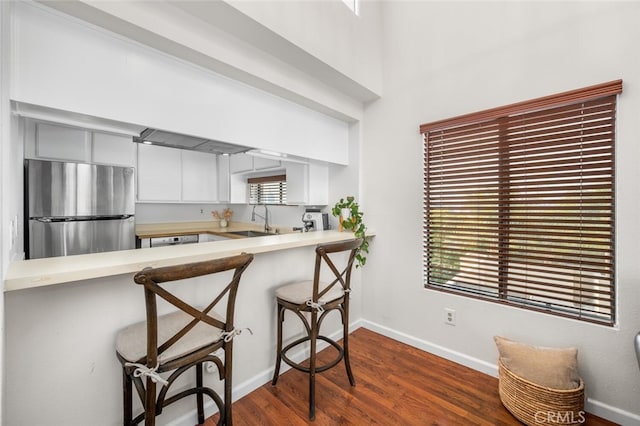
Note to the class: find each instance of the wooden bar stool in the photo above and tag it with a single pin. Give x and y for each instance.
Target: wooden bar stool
(175, 342)
(318, 299)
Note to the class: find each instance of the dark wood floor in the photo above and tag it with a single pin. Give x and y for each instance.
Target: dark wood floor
(396, 385)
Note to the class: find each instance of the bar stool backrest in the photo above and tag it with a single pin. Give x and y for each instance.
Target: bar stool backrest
(340, 277)
(152, 278)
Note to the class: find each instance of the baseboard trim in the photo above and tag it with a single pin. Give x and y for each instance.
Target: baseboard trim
(441, 351)
(611, 413)
(593, 406)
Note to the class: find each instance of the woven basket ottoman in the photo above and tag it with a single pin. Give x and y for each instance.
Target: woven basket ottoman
(533, 404)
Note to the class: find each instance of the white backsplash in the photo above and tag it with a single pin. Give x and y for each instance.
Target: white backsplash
(279, 216)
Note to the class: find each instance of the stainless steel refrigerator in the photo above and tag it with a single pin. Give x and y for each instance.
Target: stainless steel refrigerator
(75, 208)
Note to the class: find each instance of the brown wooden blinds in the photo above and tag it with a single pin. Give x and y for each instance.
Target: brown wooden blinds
(268, 189)
(519, 205)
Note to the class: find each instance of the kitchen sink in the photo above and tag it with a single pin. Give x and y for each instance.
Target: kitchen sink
(250, 233)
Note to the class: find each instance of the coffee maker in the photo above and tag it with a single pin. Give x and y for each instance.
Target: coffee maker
(314, 220)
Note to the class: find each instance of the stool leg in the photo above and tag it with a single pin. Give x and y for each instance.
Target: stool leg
(312, 365)
(228, 369)
(126, 395)
(345, 346)
(150, 404)
(280, 320)
(199, 394)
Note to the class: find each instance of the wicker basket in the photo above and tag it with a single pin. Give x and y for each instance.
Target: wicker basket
(533, 404)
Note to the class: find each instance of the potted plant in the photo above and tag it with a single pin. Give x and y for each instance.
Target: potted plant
(350, 217)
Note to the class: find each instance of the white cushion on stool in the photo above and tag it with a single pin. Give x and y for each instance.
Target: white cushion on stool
(300, 292)
(131, 342)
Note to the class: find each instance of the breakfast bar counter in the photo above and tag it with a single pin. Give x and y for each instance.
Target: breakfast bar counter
(74, 306)
(27, 274)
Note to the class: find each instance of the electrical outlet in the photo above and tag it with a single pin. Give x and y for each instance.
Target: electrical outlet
(449, 316)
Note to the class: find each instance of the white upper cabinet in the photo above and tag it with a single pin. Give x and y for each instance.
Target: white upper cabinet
(240, 163)
(247, 163)
(58, 142)
(224, 194)
(318, 184)
(159, 173)
(49, 141)
(307, 184)
(199, 176)
(112, 149)
(176, 175)
(238, 189)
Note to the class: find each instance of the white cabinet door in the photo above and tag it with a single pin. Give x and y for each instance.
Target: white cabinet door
(238, 189)
(176, 175)
(66, 143)
(240, 163)
(307, 184)
(113, 149)
(223, 179)
(199, 176)
(61, 142)
(245, 163)
(159, 173)
(318, 184)
(297, 183)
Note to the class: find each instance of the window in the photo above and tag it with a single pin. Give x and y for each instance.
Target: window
(519, 204)
(268, 190)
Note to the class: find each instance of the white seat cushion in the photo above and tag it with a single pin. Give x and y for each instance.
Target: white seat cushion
(131, 342)
(301, 292)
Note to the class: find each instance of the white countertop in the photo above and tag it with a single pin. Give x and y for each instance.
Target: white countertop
(27, 274)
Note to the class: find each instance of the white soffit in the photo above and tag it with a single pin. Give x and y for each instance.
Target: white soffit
(231, 20)
(237, 54)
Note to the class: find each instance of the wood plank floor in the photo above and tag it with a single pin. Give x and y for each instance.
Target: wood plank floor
(396, 384)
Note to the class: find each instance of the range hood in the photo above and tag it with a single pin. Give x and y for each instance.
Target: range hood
(193, 143)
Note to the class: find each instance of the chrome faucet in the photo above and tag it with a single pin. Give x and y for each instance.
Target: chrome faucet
(267, 228)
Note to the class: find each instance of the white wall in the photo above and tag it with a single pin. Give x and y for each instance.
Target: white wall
(443, 59)
(327, 24)
(60, 62)
(10, 180)
(5, 144)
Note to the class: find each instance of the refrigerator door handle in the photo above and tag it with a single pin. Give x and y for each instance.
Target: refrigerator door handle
(109, 217)
(42, 219)
(81, 218)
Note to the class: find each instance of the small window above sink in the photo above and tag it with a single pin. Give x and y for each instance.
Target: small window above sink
(268, 190)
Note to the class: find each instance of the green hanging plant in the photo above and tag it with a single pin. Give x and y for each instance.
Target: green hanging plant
(353, 223)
